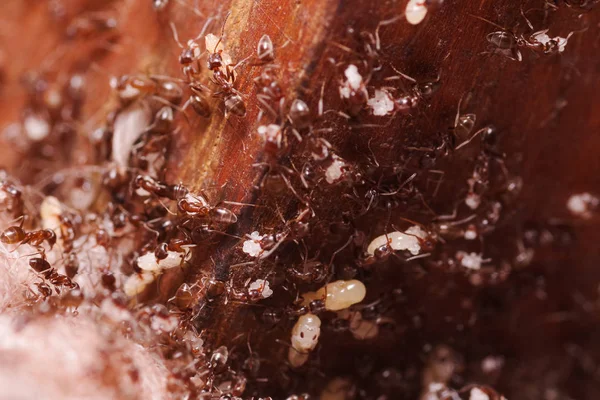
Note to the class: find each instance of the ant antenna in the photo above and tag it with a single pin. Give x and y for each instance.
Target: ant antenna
(222, 31)
(175, 35)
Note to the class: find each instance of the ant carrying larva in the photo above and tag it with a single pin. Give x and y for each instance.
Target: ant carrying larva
(508, 43)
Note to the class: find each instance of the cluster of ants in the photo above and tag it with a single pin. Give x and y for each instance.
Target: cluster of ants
(323, 239)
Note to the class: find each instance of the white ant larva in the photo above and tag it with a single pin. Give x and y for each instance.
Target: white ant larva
(305, 336)
(416, 11)
(338, 295)
(305, 333)
(409, 240)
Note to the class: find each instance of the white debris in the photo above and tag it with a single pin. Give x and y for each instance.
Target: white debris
(416, 11)
(492, 364)
(36, 127)
(478, 394)
(408, 240)
(335, 170)
(469, 260)
(582, 205)
(543, 38)
(261, 286)
(252, 246)
(381, 103)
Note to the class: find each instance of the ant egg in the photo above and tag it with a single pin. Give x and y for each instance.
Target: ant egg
(261, 286)
(353, 82)
(416, 11)
(381, 103)
(252, 245)
(408, 240)
(469, 260)
(338, 295)
(305, 333)
(335, 170)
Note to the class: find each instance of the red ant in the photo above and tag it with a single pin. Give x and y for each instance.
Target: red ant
(16, 234)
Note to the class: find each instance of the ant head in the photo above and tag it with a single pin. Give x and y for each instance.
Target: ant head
(186, 57)
(215, 61)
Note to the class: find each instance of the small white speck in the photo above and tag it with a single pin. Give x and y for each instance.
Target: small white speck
(470, 233)
(473, 200)
(470, 260)
(582, 204)
(36, 127)
(491, 364)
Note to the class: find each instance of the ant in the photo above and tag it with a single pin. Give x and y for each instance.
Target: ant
(270, 94)
(90, 23)
(132, 87)
(16, 234)
(43, 267)
(191, 53)
(187, 203)
(224, 77)
(509, 43)
(265, 51)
